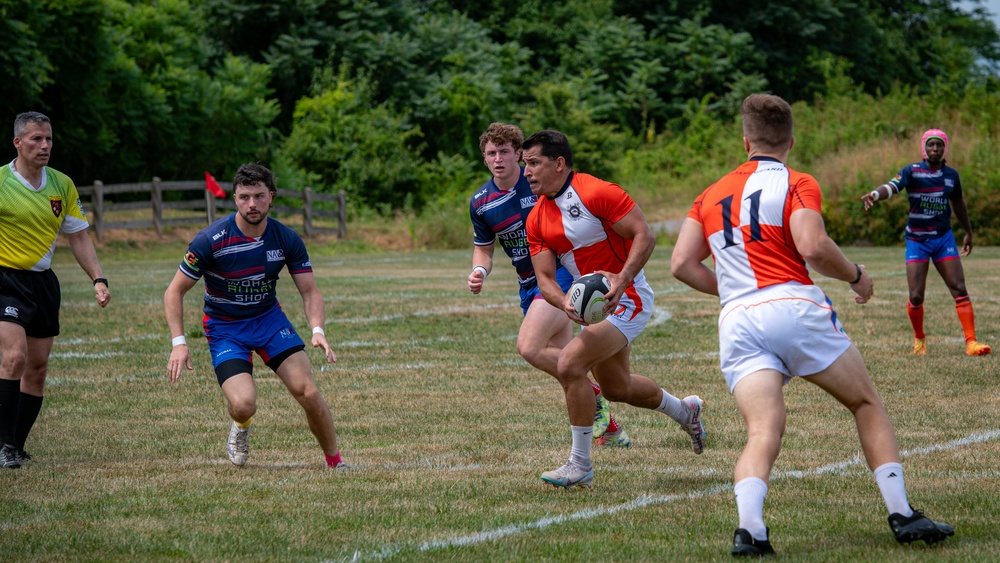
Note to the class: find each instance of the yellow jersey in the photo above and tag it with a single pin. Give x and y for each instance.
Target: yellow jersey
(31, 219)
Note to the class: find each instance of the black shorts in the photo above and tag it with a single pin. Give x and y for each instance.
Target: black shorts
(30, 299)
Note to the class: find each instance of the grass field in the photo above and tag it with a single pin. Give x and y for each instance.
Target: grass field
(447, 430)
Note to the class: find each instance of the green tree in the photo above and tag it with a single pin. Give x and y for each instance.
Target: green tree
(57, 62)
(25, 68)
(181, 116)
(597, 147)
(132, 91)
(341, 140)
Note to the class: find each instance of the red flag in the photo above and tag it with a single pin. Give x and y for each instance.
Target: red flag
(213, 186)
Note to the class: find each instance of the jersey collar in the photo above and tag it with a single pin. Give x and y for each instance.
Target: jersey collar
(562, 190)
(25, 182)
(765, 158)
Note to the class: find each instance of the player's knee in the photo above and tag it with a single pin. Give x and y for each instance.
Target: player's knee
(569, 370)
(306, 393)
(241, 409)
(767, 435)
(862, 401)
(528, 351)
(13, 363)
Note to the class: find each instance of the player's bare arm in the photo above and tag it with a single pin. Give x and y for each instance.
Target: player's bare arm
(482, 265)
(961, 211)
(688, 257)
(173, 306)
(312, 299)
(825, 257)
(86, 256)
(885, 191)
(632, 226)
(544, 264)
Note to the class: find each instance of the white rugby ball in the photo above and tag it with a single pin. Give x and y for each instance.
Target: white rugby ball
(586, 295)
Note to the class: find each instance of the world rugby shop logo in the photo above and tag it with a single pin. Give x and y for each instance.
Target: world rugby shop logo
(10, 312)
(56, 204)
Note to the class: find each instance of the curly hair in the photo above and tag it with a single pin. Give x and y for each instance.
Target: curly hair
(501, 134)
(253, 172)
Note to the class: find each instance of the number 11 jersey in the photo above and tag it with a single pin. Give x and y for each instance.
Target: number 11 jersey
(745, 218)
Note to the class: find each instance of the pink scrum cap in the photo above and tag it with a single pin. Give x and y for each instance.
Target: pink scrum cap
(933, 134)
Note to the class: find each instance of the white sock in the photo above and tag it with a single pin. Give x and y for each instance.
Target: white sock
(673, 407)
(750, 493)
(580, 454)
(889, 477)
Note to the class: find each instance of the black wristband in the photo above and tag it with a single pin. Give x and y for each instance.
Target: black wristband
(101, 280)
(856, 280)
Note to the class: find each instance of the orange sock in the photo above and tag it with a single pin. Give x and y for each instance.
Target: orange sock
(963, 306)
(916, 314)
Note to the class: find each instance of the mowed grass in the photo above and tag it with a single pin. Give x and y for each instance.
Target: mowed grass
(447, 430)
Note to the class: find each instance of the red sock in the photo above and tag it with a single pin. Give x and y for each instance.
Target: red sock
(333, 460)
(612, 425)
(597, 388)
(963, 305)
(916, 315)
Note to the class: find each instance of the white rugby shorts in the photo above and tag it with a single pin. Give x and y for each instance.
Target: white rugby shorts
(790, 328)
(625, 318)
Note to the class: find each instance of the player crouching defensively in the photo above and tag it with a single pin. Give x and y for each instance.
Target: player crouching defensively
(240, 257)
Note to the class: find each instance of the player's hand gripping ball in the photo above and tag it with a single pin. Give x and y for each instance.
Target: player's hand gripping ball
(586, 295)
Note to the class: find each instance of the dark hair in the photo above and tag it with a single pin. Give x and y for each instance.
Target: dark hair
(554, 144)
(501, 134)
(23, 119)
(767, 122)
(251, 173)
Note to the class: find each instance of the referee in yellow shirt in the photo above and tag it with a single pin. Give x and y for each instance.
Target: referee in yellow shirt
(36, 204)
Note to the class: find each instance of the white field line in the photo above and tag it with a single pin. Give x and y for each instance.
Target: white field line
(84, 355)
(642, 501)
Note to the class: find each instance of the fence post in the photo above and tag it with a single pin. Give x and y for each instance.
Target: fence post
(307, 220)
(210, 206)
(157, 197)
(98, 209)
(342, 212)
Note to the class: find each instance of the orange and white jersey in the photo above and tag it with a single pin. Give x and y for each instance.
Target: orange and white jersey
(745, 219)
(576, 225)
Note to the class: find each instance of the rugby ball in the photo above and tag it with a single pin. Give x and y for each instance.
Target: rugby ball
(586, 295)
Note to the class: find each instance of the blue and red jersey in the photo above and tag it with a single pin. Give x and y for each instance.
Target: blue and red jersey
(930, 193)
(500, 216)
(241, 273)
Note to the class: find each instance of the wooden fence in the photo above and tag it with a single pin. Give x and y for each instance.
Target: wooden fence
(100, 206)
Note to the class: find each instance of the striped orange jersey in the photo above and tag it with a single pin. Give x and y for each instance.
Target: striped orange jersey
(576, 225)
(745, 219)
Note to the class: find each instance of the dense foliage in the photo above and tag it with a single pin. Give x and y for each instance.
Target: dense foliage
(386, 99)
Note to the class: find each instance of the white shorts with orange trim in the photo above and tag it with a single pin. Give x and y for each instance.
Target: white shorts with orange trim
(790, 328)
(634, 309)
